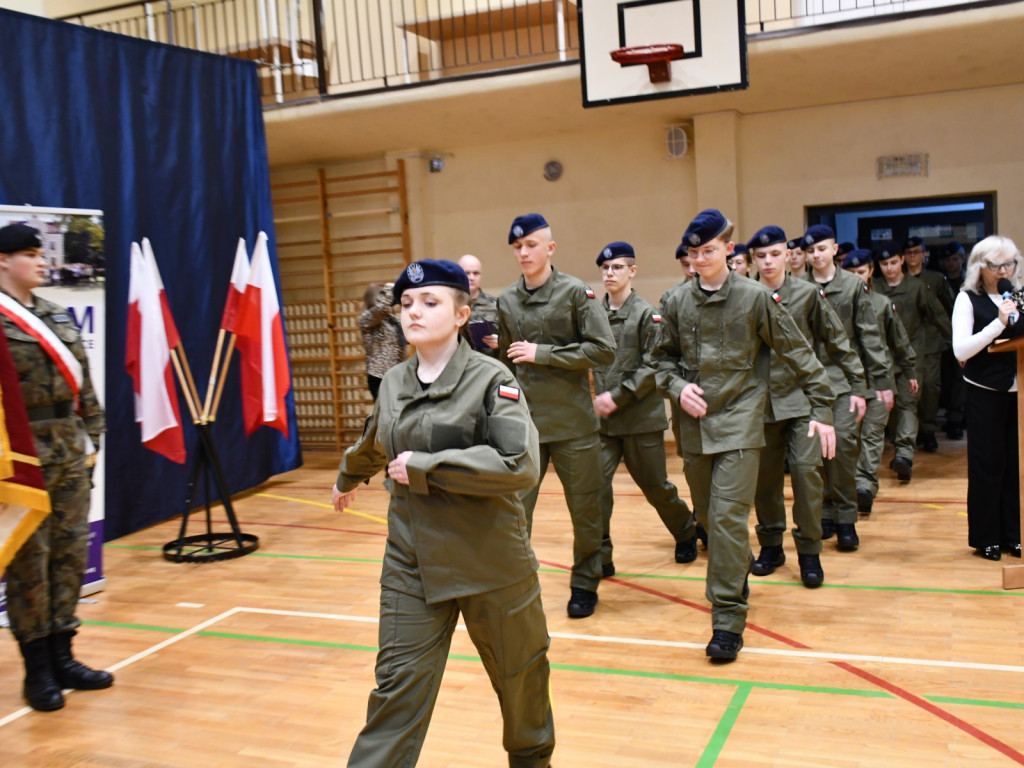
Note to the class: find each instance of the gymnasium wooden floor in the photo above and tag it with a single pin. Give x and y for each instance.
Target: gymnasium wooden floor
(910, 655)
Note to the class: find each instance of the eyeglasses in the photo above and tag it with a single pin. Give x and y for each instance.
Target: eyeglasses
(614, 267)
(1006, 266)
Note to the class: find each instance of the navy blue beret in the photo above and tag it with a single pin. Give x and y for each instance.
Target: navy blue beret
(616, 250)
(705, 227)
(739, 249)
(887, 250)
(681, 250)
(858, 257)
(913, 242)
(951, 248)
(766, 236)
(524, 225)
(815, 234)
(19, 237)
(845, 248)
(795, 245)
(430, 272)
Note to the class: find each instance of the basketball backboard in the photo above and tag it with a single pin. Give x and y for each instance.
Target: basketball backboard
(712, 33)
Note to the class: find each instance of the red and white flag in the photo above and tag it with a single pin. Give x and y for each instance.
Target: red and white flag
(239, 279)
(151, 334)
(266, 378)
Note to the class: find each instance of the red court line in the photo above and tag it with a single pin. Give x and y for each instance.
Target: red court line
(894, 689)
(306, 527)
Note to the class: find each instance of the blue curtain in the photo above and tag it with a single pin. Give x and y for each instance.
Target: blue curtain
(169, 143)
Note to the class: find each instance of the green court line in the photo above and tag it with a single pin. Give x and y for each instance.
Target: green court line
(975, 702)
(724, 727)
(668, 577)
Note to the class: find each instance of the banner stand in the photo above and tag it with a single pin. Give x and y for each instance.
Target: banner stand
(209, 547)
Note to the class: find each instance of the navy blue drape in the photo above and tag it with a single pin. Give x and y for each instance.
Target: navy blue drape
(169, 143)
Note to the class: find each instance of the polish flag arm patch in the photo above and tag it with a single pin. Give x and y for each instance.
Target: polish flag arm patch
(509, 393)
(656, 318)
(776, 298)
(591, 294)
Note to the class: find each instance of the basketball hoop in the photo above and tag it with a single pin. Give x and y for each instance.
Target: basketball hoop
(656, 57)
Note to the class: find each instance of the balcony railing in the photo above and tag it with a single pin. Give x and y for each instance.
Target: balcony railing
(311, 49)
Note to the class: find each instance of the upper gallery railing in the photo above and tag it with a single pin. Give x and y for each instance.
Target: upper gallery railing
(316, 48)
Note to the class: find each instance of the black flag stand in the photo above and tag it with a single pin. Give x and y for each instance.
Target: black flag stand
(209, 547)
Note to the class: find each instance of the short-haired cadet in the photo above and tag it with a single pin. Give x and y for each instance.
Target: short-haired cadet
(934, 342)
(849, 297)
(713, 358)
(483, 310)
(861, 262)
(787, 417)
(551, 332)
(453, 432)
(797, 260)
(631, 409)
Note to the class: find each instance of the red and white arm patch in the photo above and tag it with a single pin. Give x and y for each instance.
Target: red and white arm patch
(656, 317)
(509, 393)
(591, 294)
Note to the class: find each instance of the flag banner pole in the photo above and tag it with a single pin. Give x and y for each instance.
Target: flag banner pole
(188, 376)
(184, 387)
(212, 383)
(212, 415)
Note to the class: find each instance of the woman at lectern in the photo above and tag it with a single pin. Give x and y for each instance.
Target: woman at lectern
(984, 312)
(45, 576)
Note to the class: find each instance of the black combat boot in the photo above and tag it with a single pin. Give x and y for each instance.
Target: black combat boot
(41, 690)
(71, 673)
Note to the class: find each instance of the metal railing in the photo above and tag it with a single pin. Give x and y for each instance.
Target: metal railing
(310, 49)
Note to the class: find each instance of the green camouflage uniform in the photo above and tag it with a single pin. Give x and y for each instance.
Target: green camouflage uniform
(565, 319)
(904, 412)
(787, 420)
(44, 578)
(849, 297)
(935, 340)
(457, 543)
(722, 343)
(636, 430)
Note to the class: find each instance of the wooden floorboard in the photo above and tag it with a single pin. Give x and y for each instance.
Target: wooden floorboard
(911, 654)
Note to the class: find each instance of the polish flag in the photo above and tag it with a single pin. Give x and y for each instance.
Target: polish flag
(148, 359)
(239, 279)
(173, 339)
(266, 378)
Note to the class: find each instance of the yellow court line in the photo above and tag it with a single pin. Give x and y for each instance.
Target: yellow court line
(349, 510)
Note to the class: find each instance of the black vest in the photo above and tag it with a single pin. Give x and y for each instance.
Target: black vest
(993, 370)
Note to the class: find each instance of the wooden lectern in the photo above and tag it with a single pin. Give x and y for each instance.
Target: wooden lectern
(1013, 575)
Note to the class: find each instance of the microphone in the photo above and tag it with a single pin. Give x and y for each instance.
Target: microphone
(1005, 287)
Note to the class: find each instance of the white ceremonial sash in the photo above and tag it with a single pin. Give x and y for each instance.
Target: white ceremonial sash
(64, 359)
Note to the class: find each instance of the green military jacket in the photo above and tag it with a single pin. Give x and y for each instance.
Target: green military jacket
(823, 329)
(921, 313)
(57, 440)
(458, 528)
(849, 297)
(898, 344)
(722, 343)
(565, 319)
(483, 309)
(630, 378)
(937, 341)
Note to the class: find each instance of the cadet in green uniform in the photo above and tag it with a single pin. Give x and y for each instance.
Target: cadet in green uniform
(551, 331)
(483, 310)
(454, 433)
(849, 298)
(787, 417)
(924, 319)
(44, 578)
(713, 358)
(935, 340)
(902, 357)
(632, 411)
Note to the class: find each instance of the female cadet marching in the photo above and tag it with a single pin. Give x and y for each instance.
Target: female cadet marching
(452, 429)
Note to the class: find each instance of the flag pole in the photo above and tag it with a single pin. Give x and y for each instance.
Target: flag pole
(211, 415)
(184, 388)
(191, 382)
(211, 385)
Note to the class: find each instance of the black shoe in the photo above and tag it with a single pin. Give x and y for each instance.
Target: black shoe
(1013, 550)
(989, 553)
(864, 501)
(686, 551)
(769, 559)
(701, 534)
(607, 569)
(71, 673)
(901, 465)
(724, 645)
(582, 603)
(846, 537)
(40, 689)
(955, 433)
(828, 528)
(811, 572)
(928, 442)
(746, 588)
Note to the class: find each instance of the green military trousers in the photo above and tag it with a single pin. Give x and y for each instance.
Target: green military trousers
(644, 455)
(723, 484)
(902, 423)
(788, 439)
(578, 465)
(839, 503)
(44, 579)
(509, 630)
(929, 377)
